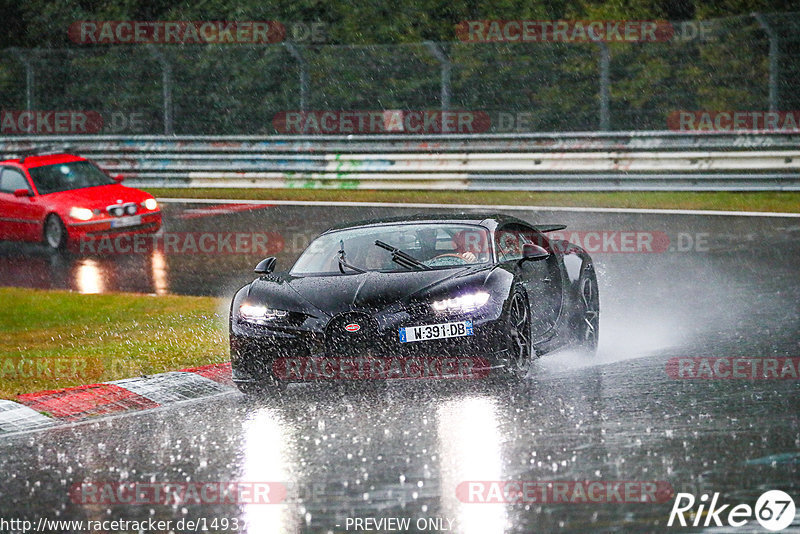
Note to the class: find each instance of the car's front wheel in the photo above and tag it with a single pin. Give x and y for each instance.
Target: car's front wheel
(519, 335)
(588, 313)
(55, 233)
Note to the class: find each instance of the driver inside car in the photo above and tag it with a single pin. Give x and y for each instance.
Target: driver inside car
(509, 246)
(466, 245)
(471, 246)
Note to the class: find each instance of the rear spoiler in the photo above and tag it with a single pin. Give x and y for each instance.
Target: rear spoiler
(544, 228)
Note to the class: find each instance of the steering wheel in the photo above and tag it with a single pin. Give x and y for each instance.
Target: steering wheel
(435, 262)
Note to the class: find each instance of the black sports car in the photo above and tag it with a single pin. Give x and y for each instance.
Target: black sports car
(434, 290)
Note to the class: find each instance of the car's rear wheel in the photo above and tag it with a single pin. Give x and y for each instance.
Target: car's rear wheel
(55, 233)
(519, 335)
(588, 318)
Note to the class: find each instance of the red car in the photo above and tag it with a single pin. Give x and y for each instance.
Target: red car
(62, 199)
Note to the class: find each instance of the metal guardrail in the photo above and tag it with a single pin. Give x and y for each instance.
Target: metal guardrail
(644, 161)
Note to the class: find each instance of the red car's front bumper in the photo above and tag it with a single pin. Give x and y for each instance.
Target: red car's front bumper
(102, 237)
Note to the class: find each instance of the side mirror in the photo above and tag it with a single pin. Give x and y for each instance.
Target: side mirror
(19, 193)
(118, 178)
(534, 252)
(265, 266)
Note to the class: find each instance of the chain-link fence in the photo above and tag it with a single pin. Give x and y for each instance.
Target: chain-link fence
(743, 63)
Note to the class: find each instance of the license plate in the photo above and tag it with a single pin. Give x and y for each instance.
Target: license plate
(133, 220)
(435, 331)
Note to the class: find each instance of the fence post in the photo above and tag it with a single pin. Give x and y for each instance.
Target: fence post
(29, 77)
(774, 51)
(303, 73)
(605, 83)
(442, 58)
(166, 88)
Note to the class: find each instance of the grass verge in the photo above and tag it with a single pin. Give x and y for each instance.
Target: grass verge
(55, 339)
(788, 201)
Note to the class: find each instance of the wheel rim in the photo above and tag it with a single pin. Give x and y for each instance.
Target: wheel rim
(53, 232)
(590, 312)
(520, 333)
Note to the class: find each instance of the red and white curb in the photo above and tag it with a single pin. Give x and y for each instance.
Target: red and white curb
(15, 417)
(45, 408)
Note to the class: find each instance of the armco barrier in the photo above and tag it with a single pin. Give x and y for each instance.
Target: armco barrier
(634, 161)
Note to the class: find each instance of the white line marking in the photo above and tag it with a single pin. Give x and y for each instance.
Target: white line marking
(488, 207)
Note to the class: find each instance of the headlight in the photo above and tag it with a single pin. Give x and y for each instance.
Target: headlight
(464, 303)
(81, 214)
(150, 204)
(259, 314)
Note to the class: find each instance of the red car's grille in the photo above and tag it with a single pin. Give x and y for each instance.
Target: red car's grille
(121, 210)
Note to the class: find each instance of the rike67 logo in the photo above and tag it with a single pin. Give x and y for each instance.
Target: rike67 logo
(774, 510)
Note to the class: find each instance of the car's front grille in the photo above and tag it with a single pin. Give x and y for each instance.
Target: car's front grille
(121, 210)
(351, 334)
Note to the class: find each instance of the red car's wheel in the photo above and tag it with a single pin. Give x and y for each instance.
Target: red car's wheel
(55, 233)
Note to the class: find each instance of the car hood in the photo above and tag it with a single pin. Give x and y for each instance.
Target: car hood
(99, 196)
(368, 291)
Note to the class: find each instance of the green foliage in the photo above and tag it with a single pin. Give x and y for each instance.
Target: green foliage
(44, 23)
(374, 58)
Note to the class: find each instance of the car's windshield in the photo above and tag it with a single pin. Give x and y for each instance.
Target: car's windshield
(67, 176)
(429, 246)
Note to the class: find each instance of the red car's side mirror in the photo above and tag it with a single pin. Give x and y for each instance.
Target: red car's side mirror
(118, 178)
(19, 193)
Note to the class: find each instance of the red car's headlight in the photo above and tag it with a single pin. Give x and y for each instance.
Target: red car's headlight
(81, 214)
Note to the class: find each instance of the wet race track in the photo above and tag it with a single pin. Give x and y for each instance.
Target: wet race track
(717, 287)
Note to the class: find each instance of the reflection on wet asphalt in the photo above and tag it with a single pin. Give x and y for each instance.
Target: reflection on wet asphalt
(401, 450)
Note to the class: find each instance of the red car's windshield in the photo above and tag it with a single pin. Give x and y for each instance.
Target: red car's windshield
(67, 176)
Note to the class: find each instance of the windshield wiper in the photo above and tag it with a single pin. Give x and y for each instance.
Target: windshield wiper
(343, 261)
(403, 259)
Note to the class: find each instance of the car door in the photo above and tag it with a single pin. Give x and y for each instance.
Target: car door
(541, 279)
(20, 217)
